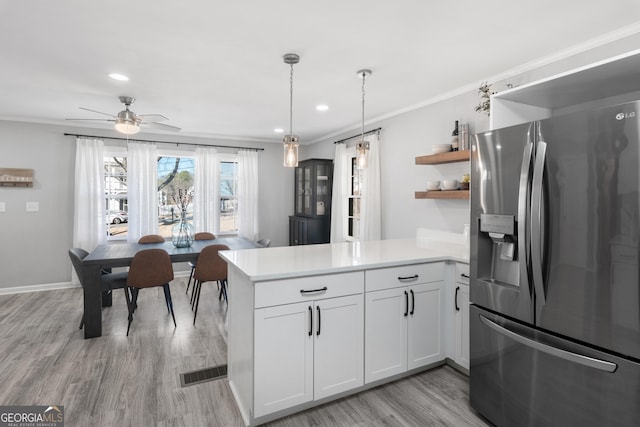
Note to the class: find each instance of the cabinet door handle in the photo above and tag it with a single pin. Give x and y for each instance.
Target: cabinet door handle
(456, 298)
(318, 331)
(310, 321)
(413, 302)
(406, 303)
(408, 278)
(313, 291)
(466, 276)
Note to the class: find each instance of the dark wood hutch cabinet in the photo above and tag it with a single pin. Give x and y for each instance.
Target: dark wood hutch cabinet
(311, 220)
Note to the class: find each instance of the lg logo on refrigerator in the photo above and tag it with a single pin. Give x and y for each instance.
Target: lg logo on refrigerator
(622, 116)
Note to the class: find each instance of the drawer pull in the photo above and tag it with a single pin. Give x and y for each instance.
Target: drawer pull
(313, 291)
(408, 278)
(466, 276)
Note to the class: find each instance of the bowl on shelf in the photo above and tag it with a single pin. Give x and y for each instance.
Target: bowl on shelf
(450, 184)
(433, 185)
(441, 148)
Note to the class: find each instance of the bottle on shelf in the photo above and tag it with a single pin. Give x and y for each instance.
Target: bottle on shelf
(463, 136)
(455, 142)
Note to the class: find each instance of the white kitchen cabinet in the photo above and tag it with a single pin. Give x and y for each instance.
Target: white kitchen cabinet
(461, 316)
(403, 323)
(615, 81)
(308, 350)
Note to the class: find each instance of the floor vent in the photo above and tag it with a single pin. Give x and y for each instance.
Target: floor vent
(203, 375)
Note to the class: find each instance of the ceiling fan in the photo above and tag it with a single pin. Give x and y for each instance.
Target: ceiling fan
(129, 123)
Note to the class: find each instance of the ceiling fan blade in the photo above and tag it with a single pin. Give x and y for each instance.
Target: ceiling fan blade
(95, 120)
(161, 126)
(152, 117)
(99, 112)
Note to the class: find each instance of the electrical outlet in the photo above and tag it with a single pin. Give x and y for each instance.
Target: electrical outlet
(33, 206)
(3, 207)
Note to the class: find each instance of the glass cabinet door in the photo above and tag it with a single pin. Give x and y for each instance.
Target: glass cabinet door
(299, 191)
(322, 189)
(306, 210)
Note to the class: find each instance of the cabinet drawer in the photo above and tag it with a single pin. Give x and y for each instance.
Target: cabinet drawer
(287, 291)
(462, 273)
(393, 277)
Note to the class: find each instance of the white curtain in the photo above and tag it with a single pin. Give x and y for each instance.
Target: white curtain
(370, 216)
(248, 194)
(142, 188)
(89, 227)
(339, 194)
(206, 189)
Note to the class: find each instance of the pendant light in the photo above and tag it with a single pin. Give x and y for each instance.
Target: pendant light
(290, 141)
(362, 146)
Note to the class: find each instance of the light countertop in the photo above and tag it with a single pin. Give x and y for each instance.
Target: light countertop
(308, 260)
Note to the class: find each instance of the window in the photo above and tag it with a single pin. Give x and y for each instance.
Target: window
(176, 172)
(115, 188)
(228, 196)
(353, 198)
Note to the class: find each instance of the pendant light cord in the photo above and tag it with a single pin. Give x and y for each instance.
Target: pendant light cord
(363, 78)
(291, 102)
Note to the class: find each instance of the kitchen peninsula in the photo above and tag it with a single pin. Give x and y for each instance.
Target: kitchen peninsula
(310, 324)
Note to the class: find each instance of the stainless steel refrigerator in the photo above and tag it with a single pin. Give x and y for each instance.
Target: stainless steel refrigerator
(555, 314)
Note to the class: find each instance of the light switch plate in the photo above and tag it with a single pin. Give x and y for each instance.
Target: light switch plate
(3, 207)
(33, 206)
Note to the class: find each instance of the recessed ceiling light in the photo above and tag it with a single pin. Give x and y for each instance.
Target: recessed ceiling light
(278, 130)
(322, 107)
(120, 77)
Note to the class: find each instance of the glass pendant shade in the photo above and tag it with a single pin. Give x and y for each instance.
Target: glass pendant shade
(290, 144)
(362, 151)
(127, 127)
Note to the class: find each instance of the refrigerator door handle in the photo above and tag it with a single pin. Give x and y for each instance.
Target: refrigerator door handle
(581, 359)
(536, 223)
(523, 207)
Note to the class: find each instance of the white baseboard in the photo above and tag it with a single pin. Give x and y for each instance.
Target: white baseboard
(38, 288)
(57, 286)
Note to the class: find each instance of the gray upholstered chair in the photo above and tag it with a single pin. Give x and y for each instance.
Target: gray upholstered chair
(210, 267)
(109, 280)
(265, 243)
(149, 268)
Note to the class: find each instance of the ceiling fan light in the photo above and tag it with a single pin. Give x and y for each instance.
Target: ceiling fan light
(127, 127)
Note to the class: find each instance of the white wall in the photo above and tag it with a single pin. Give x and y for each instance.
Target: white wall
(33, 246)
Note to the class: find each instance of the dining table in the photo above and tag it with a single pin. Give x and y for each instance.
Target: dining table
(118, 254)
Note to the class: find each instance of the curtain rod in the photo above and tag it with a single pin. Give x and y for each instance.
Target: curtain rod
(360, 134)
(163, 142)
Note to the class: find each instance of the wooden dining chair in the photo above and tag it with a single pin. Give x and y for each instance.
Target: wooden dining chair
(201, 235)
(210, 267)
(109, 281)
(151, 238)
(149, 268)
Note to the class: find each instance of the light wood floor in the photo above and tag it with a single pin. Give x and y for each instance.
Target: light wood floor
(116, 380)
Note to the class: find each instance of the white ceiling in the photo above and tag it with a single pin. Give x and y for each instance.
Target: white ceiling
(215, 68)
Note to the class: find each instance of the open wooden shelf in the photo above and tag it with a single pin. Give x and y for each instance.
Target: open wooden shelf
(448, 157)
(12, 177)
(452, 194)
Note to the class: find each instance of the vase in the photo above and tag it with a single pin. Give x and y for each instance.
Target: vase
(182, 232)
